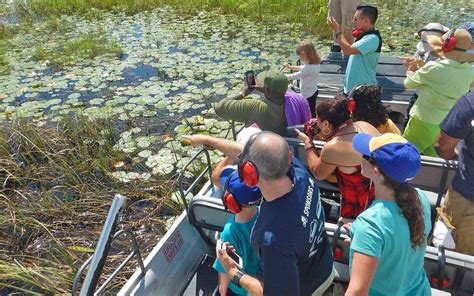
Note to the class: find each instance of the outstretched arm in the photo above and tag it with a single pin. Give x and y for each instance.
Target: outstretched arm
(216, 173)
(228, 147)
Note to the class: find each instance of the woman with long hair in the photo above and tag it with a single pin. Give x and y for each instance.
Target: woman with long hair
(337, 129)
(369, 108)
(388, 240)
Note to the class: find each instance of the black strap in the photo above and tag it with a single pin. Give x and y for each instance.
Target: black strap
(372, 32)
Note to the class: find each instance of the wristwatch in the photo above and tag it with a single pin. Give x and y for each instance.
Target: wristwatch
(337, 34)
(237, 277)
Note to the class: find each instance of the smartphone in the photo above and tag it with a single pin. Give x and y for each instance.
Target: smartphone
(250, 79)
(233, 255)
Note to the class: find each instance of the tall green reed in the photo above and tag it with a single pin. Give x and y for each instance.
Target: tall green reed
(312, 14)
(55, 190)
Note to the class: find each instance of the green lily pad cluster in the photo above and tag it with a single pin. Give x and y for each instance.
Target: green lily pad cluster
(166, 154)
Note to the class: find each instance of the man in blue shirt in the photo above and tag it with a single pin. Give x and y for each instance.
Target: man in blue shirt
(364, 53)
(457, 212)
(289, 236)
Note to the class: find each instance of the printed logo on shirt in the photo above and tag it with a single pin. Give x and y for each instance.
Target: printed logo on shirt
(315, 228)
(307, 203)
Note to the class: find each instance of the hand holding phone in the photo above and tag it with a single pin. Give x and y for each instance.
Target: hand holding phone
(250, 79)
(220, 245)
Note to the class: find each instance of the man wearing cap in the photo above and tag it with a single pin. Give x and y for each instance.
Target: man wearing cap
(364, 53)
(268, 113)
(424, 53)
(388, 240)
(457, 212)
(440, 84)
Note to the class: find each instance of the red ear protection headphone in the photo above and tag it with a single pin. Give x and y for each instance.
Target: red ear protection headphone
(351, 104)
(357, 32)
(450, 42)
(430, 30)
(230, 203)
(248, 172)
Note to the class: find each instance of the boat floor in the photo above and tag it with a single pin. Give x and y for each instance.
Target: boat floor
(204, 283)
(390, 74)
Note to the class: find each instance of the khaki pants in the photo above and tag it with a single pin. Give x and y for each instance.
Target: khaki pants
(324, 286)
(343, 11)
(457, 213)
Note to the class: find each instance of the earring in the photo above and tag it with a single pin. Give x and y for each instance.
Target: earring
(326, 131)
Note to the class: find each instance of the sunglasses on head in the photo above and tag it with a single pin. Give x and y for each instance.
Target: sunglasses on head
(370, 159)
(430, 30)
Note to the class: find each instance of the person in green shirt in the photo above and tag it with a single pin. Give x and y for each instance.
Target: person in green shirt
(440, 84)
(268, 113)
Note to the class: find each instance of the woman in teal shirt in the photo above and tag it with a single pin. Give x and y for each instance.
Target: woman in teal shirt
(388, 240)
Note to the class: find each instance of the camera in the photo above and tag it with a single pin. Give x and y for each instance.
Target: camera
(250, 79)
(310, 128)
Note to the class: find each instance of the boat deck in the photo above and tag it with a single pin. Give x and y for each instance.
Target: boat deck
(390, 75)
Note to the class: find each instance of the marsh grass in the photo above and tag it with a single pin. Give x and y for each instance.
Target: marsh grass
(310, 13)
(55, 190)
(81, 49)
(4, 65)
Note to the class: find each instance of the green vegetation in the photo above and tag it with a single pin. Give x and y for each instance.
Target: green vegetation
(69, 51)
(4, 65)
(56, 187)
(310, 13)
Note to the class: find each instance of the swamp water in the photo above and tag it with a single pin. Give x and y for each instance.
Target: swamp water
(155, 81)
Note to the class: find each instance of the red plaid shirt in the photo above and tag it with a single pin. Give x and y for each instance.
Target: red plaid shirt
(356, 195)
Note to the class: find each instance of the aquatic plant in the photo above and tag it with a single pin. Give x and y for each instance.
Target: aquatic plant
(4, 65)
(56, 185)
(309, 13)
(85, 47)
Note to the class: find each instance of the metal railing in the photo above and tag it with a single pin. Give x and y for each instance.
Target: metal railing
(184, 192)
(97, 261)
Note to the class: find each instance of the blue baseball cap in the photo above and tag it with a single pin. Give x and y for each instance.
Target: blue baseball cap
(393, 154)
(244, 194)
(470, 28)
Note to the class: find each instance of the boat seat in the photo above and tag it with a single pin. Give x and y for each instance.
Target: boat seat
(207, 212)
(434, 177)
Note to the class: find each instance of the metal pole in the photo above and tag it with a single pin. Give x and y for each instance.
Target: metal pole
(103, 246)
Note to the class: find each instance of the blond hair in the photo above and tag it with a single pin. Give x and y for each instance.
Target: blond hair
(307, 48)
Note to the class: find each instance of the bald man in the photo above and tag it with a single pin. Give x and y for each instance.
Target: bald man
(289, 236)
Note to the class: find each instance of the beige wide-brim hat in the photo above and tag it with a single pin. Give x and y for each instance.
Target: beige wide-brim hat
(464, 41)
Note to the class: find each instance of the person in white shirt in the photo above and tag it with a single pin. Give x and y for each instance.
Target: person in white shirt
(307, 73)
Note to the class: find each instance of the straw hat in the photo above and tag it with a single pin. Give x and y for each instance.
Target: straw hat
(435, 29)
(459, 53)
